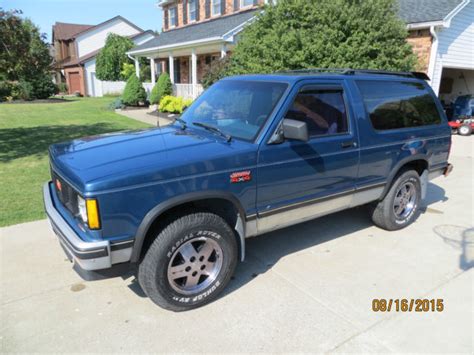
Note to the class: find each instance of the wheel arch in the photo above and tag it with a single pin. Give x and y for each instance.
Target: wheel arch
(153, 216)
(419, 163)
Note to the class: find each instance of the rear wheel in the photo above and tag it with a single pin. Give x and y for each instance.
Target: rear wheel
(401, 205)
(465, 130)
(190, 262)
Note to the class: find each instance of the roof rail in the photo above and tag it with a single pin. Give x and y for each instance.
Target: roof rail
(348, 71)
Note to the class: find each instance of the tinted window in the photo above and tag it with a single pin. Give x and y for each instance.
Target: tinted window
(237, 107)
(393, 105)
(323, 110)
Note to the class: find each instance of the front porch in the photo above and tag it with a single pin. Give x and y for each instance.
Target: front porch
(186, 67)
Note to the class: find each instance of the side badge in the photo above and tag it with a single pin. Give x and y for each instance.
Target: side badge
(241, 176)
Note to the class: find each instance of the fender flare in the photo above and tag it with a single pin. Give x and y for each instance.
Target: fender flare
(158, 210)
(397, 168)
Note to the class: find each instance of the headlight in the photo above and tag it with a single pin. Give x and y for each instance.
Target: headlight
(89, 212)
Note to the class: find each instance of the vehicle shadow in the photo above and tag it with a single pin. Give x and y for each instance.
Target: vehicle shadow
(461, 238)
(264, 251)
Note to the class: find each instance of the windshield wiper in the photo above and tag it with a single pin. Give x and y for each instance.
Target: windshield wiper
(228, 137)
(183, 122)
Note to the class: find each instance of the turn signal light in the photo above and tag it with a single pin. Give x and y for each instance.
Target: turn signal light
(93, 219)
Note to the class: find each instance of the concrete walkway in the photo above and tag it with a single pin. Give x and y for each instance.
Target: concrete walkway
(144, 115)
(308, 288)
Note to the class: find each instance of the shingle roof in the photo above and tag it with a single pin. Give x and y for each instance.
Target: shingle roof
(415, 11)
(208, 29)
(63, 31)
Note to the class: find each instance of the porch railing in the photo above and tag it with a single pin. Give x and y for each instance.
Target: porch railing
(186, 90)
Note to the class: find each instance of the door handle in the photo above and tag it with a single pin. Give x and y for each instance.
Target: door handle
(348, 144)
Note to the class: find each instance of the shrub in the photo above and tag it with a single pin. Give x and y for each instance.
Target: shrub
(62, 87)
(23, 90)
(116, 104)
(128, 69)
(134, 93)
(43, 87)
(162, 88)
(5, 90)
(215, 71)
(110, 59)
(173, 104)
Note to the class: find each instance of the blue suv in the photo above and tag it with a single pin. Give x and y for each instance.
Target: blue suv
(251, 155)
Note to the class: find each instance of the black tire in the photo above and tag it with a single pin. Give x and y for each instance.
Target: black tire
(383, 212)
(465, 130)
(190, 230)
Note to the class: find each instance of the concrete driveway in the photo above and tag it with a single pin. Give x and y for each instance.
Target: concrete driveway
(307, 288)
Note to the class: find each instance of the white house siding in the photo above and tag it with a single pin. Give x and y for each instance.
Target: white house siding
(456, 45)
(95, 39)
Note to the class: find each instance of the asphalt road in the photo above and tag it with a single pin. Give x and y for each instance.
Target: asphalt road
(307, 288)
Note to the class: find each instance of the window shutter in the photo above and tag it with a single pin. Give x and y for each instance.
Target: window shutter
(223, 7)
(198, 9)
(185, 12)
(208, 9)
(236, 5)
(165, 22)
(255, 2)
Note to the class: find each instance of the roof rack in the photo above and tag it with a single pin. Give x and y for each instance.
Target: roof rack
(347, 71)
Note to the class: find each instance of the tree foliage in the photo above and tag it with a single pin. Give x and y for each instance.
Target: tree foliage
(134, 93)
(296, 34)
(111, 58)
(162, 88)
(24, 54)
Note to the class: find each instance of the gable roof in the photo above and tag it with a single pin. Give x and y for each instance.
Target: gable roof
(210, 29)
(418, 11)
(64, 31)
(107, 22)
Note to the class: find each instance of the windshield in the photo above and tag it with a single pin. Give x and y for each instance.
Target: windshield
(236, 108)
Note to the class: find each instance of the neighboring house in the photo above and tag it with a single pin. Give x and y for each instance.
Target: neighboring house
(196, 32)
(442, 35)
(76, 47)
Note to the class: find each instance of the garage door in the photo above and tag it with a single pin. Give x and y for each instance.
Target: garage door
(74, 82)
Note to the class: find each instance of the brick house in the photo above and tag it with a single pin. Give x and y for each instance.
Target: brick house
(196, 32)
(442, 35)
(76, 46)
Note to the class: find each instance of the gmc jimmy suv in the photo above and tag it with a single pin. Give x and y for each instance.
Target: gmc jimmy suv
(251, 155)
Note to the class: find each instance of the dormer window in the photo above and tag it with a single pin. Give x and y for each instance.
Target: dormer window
(192, 9)
(246, 3)
(216, 7)
(173, 17)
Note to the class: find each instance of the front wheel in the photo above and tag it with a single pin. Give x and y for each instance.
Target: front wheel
(465, 130)
(401, 205)
(190, 262)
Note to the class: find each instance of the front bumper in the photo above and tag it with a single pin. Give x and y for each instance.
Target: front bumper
(95, 255)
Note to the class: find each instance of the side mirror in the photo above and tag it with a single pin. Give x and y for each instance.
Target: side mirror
(293, 129)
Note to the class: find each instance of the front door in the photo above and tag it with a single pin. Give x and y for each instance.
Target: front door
(74, 82)
(299, 180)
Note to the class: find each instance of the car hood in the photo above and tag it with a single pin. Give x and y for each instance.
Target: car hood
(117, 160)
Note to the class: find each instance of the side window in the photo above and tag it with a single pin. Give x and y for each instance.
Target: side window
(322, 109)
(394, 104)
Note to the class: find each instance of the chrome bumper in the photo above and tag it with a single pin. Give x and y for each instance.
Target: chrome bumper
(88, 255)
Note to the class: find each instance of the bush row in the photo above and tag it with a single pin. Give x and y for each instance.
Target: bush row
(38, 88)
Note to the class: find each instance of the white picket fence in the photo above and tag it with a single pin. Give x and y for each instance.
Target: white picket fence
(183, 90)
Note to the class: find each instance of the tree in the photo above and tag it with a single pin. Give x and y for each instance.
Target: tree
(24, 54)
(162, 88)
(134, 93)
(110, 59)
(296, 34)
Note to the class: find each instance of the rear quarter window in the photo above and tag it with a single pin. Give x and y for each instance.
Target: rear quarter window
(398, 104)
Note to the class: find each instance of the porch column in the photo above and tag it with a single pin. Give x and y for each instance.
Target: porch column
(223, 50)
(137, 67)
(194, 72)
(153, 69)
(171, 66)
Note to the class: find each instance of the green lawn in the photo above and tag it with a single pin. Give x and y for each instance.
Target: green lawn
(26, 131)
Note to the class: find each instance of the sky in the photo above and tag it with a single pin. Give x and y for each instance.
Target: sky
(44, 13)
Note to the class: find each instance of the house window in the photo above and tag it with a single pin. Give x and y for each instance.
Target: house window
(192, 8)
(246, 3)
(173, 18)
(216, 7)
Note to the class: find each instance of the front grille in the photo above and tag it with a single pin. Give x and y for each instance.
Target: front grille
(67, 195)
